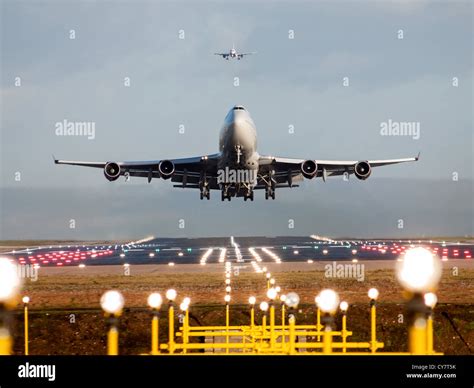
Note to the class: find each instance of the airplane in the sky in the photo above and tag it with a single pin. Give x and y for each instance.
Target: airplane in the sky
(234, 54)
(237, 170)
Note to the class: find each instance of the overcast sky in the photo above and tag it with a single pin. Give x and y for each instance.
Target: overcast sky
(296, 82)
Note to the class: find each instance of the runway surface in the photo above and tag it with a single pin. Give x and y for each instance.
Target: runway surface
(250, 251)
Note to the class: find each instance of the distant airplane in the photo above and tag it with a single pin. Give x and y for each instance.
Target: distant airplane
(237, 169)
(234, 54)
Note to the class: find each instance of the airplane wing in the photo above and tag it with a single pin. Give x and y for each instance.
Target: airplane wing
(242, 54)
(287, 169)
(185, 170)
(223, 55)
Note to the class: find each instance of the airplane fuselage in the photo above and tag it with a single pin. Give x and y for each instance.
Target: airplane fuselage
(238, 141)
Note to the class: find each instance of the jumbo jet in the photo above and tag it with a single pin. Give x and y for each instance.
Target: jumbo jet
(234, 54)
(237, 170)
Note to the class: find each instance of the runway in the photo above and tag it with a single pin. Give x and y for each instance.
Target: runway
(255, 252)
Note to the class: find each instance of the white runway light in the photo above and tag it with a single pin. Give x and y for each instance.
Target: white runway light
(419, 271)
(10, 282)
(327, 301)
(112, 302)
(155, 300)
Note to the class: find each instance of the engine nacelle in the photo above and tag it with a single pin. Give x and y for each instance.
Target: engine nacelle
(309, 168)
(166, 169)
(112, 171)
(362, 170)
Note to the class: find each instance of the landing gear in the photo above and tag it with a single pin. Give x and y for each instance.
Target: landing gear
(269, 192)
(225, 193)
(248, 195)
(204, 186)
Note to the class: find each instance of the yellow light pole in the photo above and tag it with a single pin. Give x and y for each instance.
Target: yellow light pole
(373, 295)
(184, 306)
(271, 295)
(283, 336)
(328, 302)
(419, 271)
(171, 295)
(264, 309)
(430, 301)
(292, 301)
(292, 339)
(268, 276)
(155, 301)
(252, 301)
(318, 320)
(26, 300)
(227, 321)
(10, 284)
(343, 307)
(112, 303)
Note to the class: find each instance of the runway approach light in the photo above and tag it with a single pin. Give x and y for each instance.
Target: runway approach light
(278, 289)
(327, 301)
(271, 294)
(373, 294)
(419, 271)
(155, 300)
(344, 306)
(171, 295)
(325, 251)
(26, 299)
(227, 281)
(272, 281)
(292, 300)
(228, 289)
(252, 300)
(187, 300)
(112, 302)
(268, 275)
(10, 282)
(183, 306)
(283, 298)
(354, 251)
(264, 306)
(227, 298)
(430, 300)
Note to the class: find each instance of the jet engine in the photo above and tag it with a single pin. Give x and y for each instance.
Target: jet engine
(112, 171)
(362, 170)
(166, 169)
(309, 168)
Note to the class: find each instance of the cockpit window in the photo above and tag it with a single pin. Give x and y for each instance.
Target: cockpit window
(238, 107)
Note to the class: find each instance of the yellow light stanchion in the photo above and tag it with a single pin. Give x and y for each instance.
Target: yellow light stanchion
(6, 342)
(171, 343)
(26, 300)
(327, 340)
(264, 308)
(227, 321)
(112, 341)
(292, 336)
(417, 336)
(171, 296)
(272, 294)
(318, 323)
(418, 271)
(10, 284)
(373, 295)
(430, 301)
(292, 301)
(155, 301)
(155, 334)
(112, 303)
(328, 302)
(283, 335)
(343, 307)
(185, 309)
